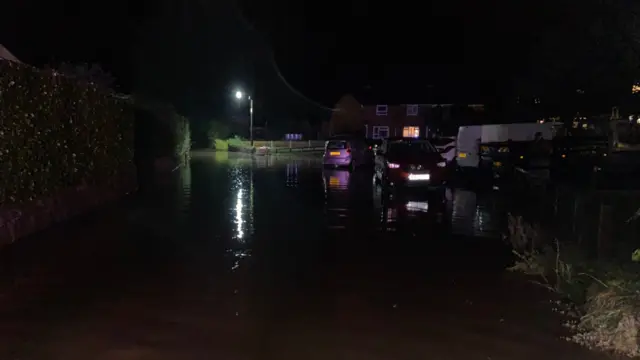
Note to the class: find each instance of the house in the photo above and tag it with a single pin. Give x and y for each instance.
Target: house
(378, 119)
(386, 120)
(7, 55)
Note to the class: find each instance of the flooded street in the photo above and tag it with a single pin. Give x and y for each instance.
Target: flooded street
(274, 258)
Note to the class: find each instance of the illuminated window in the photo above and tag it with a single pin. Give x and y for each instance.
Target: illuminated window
(410, 132)
(635, 89)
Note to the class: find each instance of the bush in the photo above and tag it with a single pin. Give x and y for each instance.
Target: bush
(217, 130)
(56, 133)
(164, 131)
(237, 142)
(221, 145)
(181, 135)
(604, 297)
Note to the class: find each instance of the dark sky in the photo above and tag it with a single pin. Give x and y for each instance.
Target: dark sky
(297, 56)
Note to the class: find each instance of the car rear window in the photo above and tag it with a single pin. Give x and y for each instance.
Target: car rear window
(411, 148)
(336, 145)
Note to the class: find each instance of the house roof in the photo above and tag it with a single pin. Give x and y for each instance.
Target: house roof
(7, 55)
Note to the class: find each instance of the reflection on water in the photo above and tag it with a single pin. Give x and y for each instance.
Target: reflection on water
(336, 180)
(238, 256)
(421, 206)
(337, 199)
(346, 197)
(239, 221)
(184, 199)
(242, 206)
(476, 215)
(264, 161)
(292, 174)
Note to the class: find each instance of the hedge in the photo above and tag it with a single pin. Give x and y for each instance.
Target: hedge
(56, 132)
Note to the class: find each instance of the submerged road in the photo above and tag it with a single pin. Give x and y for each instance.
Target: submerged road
(272, 258)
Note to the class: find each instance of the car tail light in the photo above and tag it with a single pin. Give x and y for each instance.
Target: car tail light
(393, 166)
(348, 151)
(369, 147)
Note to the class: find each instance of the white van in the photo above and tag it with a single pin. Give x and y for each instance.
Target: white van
(470, 138)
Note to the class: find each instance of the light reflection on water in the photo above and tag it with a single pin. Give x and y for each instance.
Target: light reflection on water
(476, 214)
(336, 197)
(292, 174)
(343, 193)
(242, 207)
(239, 221)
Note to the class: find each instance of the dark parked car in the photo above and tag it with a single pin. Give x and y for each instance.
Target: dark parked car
(404, 163)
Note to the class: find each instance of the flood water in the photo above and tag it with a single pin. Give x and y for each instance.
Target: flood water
(274, 258)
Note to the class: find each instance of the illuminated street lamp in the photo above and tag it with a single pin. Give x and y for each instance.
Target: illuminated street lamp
(239, 96)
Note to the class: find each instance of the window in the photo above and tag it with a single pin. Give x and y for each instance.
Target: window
(411, 132)
(412, 110)
(336, 145)
(411, 148)
(380, 132)
(382, 109)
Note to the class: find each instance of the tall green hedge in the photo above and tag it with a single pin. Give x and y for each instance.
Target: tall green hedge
(56, 132)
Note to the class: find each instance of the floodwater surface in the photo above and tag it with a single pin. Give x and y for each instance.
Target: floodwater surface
(275, 258)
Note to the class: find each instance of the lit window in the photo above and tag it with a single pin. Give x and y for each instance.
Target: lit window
(411, 132)
(382, 109)
(412, 110)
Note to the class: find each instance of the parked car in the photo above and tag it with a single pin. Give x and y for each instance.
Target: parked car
(347, 152)
(404, 163)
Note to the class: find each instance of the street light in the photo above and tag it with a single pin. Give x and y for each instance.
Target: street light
(239, 96)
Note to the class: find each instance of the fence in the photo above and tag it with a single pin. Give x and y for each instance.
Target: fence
(294, 144)
(602, 222)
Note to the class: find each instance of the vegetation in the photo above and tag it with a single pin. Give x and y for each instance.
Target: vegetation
(603, 297)
(167, 133)
(216, 132)
(57, 132)
(234, 143)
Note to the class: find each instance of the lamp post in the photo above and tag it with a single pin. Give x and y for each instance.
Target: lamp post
(239, 96)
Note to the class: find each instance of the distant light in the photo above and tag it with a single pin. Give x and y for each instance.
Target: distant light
(238, 94)
(635, 89)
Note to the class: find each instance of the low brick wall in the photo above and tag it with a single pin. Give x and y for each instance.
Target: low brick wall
(21, 220)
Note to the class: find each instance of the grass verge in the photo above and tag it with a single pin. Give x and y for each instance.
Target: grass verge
(602, 297)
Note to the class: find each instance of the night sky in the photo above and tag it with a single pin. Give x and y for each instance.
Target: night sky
(298, 57)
